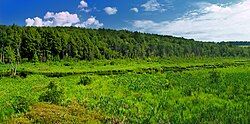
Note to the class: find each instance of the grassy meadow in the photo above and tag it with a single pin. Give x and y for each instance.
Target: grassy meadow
(176, 90)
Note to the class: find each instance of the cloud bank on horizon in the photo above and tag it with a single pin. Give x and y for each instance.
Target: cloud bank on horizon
(211, 22)
(206, 21)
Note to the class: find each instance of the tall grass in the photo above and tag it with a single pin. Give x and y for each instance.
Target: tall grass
(169, 97)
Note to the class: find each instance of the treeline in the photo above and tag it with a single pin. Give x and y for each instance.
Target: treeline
(56, 43)
(237, 43)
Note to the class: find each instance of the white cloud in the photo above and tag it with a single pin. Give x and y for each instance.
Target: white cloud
(29, 22)
(83, 4)
(211, 22)
(134, 10)
(152, 5)
(60, 19)
(63, 19)
(34, 22)
(90, 22)
(110, 10)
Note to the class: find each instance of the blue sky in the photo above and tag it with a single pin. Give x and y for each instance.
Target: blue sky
(206, 20)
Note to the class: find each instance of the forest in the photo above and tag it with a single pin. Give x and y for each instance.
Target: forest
(56, 43)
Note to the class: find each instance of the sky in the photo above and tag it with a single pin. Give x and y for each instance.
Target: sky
(203, 20)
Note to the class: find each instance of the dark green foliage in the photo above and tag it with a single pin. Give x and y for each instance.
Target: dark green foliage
(53, 94)
(23, 74)
(20, 104)
(85, 81)
(214, 77)
(66, 64)
(35, 58)
(56, 43)
(237, 43)
(112, 63)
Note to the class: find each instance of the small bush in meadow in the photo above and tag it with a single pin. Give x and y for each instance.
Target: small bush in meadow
(84, 81)
(54, 94)
(214, 76)
(66, 64)
(23, 74)
(112, 63)
(20, 104)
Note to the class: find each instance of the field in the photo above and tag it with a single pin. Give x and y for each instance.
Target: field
(175, 90)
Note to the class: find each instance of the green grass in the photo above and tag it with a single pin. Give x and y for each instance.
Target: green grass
(175, 97)
(122, 64)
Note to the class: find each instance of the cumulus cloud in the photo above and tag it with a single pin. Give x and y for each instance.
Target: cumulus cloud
(110, 10)
(34, 22)
(84, 6)
(134, 10)
(90, 22)
(211, 22)
(62, 19)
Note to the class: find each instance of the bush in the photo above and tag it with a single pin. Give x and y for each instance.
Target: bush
(84, 81)
(20, 104)
(23, 74)
(214, 76)
(112, 63)
(67, 64)
(54, 94)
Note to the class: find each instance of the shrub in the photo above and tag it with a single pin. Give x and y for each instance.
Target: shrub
(20, 104)
(66, 64)
(23, 74)
(84, 81)
(54, 94)
(214, 76)
(112, 63)
(187, 91)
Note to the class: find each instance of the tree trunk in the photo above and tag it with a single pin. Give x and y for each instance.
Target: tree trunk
(13, 69)
(2, 55)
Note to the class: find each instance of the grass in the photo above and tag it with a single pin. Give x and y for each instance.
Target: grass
(122, 64)
(170, 97)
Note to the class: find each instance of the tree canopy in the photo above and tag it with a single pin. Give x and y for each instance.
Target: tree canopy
(55, 43)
